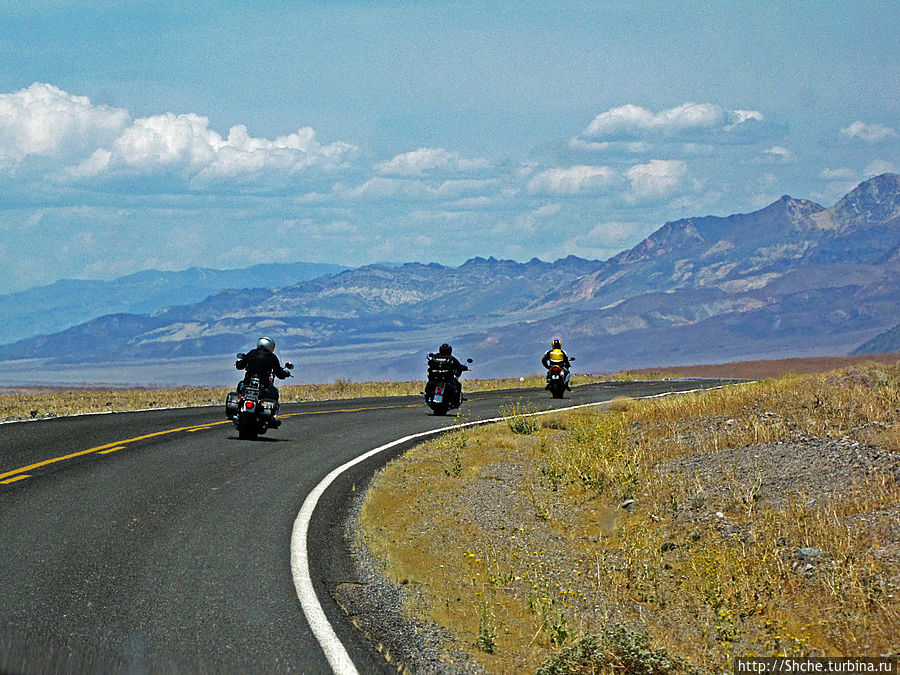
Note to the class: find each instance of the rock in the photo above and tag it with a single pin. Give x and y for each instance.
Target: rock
(628, 504)
(809, 553)
(667, 546)
(806, 569)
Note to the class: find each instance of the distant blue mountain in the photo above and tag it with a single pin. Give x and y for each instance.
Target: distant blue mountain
(66, 303)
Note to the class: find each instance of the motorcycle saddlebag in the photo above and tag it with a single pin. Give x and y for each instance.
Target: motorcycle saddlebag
(267, 409)
(232, 404)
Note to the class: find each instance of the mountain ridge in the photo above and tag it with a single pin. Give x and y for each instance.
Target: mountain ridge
(793, 278)
(67, 302)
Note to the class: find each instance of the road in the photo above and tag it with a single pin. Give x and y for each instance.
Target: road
(158, 542)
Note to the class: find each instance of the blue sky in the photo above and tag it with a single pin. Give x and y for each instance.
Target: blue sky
(138, 135)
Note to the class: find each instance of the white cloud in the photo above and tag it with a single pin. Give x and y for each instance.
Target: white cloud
(185, 143)
(606, 239)
(386, 188)
(574, 180)
(613, 147)
(70, 133)
(776, 155)
(656, 179)
(839, 174)
(741, 116)
(547, 210)
(474, 203)
(877, 167)
(613, 234)
(424, 160)
(527, 223)
(632, 121)
(870, 133)
(44, 121)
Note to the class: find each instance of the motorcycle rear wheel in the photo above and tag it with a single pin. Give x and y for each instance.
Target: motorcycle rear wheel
(247, 429)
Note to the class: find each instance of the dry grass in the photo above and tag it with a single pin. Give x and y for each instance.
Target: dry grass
(527, 542)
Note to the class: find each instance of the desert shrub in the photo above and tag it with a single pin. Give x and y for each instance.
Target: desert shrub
(617, 649)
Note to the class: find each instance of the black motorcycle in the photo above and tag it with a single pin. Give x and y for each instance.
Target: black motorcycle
(556, 379)
(250, 410)
(443, 392)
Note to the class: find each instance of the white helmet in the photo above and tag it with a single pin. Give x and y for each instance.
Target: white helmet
(267, 344)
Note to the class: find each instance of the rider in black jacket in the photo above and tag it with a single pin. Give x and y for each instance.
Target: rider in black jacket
(262, 362)
(443, 367)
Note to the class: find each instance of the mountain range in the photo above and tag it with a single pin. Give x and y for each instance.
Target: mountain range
(57, 306)
(792, 279)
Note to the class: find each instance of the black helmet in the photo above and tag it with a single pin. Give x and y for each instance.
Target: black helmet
(445, 350)
(557, 344)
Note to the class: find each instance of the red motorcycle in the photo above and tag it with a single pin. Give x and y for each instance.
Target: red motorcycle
(557, 379)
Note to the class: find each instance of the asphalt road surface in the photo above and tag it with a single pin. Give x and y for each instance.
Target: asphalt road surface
(159, 542)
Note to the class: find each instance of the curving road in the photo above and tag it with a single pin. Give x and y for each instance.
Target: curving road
(157, 541)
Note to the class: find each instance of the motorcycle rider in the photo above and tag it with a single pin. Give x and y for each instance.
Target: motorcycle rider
(262, 362)
(555, 356)
(444, 367)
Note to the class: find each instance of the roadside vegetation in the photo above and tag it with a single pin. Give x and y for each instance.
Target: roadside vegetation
(660, 535)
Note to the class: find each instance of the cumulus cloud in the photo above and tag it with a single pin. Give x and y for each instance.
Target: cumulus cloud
(43, 121)
(574, 180)
(427, 160)
(657, 179)
(635, 122)
(185, 143)
(380, 188)
(869, 132)
(651, 181)
(775, 155)
(87, 141)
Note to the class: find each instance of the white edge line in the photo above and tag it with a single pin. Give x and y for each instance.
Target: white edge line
(334, 650)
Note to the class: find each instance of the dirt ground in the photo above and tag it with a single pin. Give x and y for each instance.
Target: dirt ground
(773, 368)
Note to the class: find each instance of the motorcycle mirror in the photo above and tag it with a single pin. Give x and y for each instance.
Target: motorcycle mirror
(288, 365)
(468, 360)
(572, 359)
(240, 355)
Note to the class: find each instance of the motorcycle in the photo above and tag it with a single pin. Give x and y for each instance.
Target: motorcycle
(446, 393)
(248, 408)
(556, 379)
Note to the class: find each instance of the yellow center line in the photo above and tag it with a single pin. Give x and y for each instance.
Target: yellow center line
(205, 427)
(81, 453)
(349, 410)
(118, 445)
